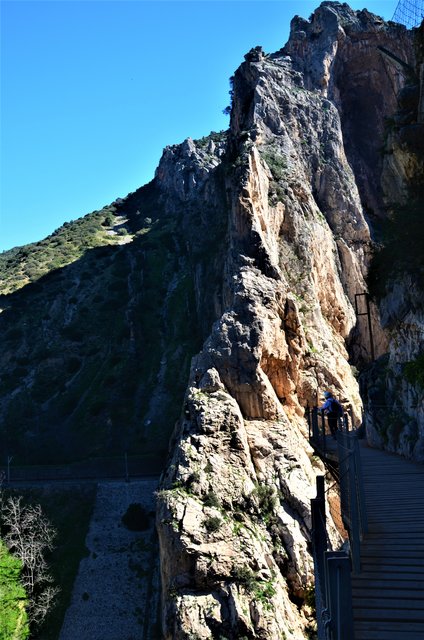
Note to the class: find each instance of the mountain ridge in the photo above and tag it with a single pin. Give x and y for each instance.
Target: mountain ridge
(223, 320)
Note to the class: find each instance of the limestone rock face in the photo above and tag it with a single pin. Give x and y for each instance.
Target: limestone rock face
(395, 398)
(337, 53)
(234, 521)
(184, 170)
(233, 510)
(394, 412)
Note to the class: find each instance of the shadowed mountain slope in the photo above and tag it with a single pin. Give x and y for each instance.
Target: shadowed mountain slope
(103, 319)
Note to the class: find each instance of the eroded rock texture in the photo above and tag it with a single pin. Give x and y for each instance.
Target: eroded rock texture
(302, 180)
(393, 388)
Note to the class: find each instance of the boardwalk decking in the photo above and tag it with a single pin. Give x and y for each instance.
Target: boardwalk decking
(388, 594)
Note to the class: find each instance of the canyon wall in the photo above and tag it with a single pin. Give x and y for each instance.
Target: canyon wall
(218, 302)
(302, 175)
(393, 388)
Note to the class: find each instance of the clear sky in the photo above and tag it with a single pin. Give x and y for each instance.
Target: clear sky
(93, 90)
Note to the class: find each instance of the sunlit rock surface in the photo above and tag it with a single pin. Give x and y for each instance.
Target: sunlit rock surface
(302, 176)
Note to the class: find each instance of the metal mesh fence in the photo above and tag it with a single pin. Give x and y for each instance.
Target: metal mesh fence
(409, 12)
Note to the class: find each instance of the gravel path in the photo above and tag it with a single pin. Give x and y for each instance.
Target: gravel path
(116, 592)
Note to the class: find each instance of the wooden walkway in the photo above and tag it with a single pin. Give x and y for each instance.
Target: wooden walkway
(388, 594)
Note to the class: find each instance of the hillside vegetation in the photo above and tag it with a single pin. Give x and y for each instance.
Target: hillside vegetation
(23, 265)
(98, 325)
(13, 617)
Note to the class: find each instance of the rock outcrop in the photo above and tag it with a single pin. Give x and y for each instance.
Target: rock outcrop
(337, 51)
(243, 257)
(233, 514)
(393, 388)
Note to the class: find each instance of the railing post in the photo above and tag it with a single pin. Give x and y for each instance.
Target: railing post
(319, 546)
(315, 429)
(351, 418)
(308, 418)
(323, 431)
(339, 595)
(318, 524)
(343, 469)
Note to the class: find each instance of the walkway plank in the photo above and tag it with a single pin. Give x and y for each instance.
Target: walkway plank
(388, 594)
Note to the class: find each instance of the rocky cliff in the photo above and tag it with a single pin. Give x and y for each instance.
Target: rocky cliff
(302, 175)
(234, 271)
(393, 388)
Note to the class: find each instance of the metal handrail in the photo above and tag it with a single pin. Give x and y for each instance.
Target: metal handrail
(319, 430)
(333, 590)
(319, 547)
(352, 497)
(333, 569)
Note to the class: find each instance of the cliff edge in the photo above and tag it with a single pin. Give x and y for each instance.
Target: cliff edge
(302, 179)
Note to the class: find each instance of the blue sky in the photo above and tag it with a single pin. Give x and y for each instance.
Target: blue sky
(93, 90)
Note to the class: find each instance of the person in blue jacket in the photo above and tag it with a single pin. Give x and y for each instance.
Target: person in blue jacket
(333, 410)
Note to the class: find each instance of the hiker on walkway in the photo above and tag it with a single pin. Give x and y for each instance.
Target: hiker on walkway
(333, 410)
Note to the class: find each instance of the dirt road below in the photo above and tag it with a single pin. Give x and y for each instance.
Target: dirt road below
(117, 590)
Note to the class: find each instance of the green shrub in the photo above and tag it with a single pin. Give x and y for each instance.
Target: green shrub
(245, 577)
(276, 163)
(261, 590)
(266, 497)
(108, 220)
(13, 617)
(212, 524)
(208, 467)
(414, 371)
(211, 500)
(193, 479)
(264, 591)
